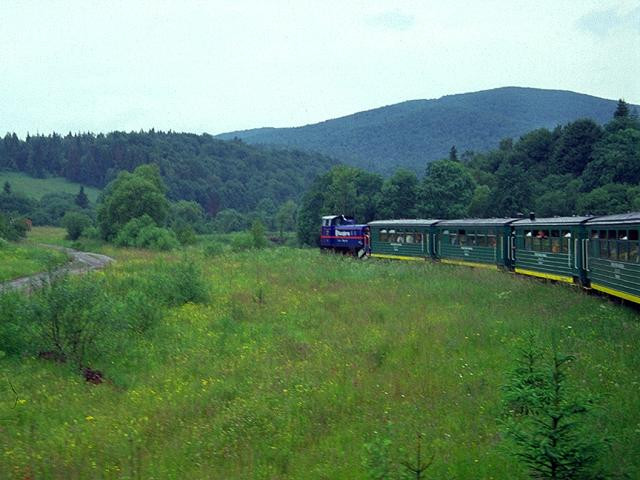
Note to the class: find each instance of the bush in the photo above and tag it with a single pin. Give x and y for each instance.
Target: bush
(186, 235)
(230, 220)
(141, 311)
(75, 223)
(241, 242)
(157, 238)
(128, 236)
(94, 320)
(142, 232)
(74, 318)
(91, 232)
(257, 234)
(12, 227)
(16, 331)
(171, 284)
(177, 283)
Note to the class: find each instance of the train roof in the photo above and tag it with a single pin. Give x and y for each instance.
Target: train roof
(331, 217)
(351, 227)
(476, 222)
(527, 222)
(623, 218)
(403, 222)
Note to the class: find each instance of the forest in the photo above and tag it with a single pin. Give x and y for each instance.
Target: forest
(217, 174)
(577, 169)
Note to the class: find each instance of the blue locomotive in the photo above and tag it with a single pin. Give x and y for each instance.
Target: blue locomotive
(342, 234)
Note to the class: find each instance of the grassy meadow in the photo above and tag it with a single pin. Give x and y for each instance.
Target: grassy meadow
(286, 363)
(37, 187)
(22, 259)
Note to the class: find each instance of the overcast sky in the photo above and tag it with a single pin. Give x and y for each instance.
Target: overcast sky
(226, 65)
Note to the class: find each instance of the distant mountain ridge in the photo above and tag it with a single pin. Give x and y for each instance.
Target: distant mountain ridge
(412, 133)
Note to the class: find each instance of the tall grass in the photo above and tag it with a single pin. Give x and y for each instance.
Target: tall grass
(289, 363)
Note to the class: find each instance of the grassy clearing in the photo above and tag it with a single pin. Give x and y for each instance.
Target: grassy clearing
(48, 236)
(300, 359)
(19, 260)
(37, 187)
(58, 236)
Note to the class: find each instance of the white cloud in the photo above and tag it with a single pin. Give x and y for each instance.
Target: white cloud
(392, 19)
(603, 22)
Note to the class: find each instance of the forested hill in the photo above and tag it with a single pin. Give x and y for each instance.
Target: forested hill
(218, 174)
(412, 133)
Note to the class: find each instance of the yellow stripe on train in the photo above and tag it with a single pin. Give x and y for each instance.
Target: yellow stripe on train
(470, 264)
(549, 276)
(616, 293)
(396, 257)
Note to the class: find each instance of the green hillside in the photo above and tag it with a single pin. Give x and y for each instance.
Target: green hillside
(37, 187)
(215, 173)
(412, 133)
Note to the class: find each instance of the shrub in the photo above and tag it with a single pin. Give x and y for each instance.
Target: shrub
(230, 220)
(168, 283)
(16, 331)
(257, 234)
(75, 223)
(141, 311)
(186, 235)
(12, 227)
(156, 238)
(241, 242)
(91, 232)
(184, 283)
(128, 236)
(73, 317)
(142, 232)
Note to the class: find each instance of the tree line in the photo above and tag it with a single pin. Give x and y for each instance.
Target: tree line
(216, 174)
(578, 168)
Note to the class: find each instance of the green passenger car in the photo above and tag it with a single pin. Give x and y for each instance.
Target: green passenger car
(402, 239)
(550, 248)
(612, 261)
(474, 242)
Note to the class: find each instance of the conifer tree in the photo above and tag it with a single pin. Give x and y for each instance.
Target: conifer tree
(453, 154)
(81, 198)
(545, 419)
(7, 187)
(622, 110)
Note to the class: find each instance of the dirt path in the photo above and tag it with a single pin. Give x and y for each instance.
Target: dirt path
(81, 262)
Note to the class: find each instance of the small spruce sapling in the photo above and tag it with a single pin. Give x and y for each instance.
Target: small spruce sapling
(419, 467)
(546, 420)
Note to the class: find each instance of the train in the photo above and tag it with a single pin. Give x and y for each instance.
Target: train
(595, 252)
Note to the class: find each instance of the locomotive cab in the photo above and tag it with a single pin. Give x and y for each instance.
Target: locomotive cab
(341, 233)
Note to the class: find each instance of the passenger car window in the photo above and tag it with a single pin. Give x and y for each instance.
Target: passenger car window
(566, 238)
(462, 237)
